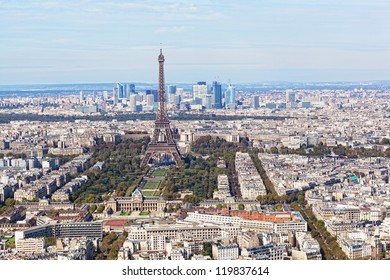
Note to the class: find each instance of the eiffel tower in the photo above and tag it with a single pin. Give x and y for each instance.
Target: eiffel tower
(162, 142)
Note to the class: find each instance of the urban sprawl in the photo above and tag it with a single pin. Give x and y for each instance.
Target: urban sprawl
(308, 177)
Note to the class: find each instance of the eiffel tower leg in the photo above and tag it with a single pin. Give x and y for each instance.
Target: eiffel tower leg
(175, 155)
(177, 158)
(146, 158)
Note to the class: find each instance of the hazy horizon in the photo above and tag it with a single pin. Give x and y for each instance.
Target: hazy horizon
(208, 82)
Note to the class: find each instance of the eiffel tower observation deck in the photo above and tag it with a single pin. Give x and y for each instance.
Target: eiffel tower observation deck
(162, 148)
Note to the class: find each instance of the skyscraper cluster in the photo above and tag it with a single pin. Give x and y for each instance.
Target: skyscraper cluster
(123, 91)
(213, 97)
(204, 96)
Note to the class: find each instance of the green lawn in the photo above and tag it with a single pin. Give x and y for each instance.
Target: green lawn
(144, 213)
(159, 172)
(148, 193)
(151, 185)
(11, 242)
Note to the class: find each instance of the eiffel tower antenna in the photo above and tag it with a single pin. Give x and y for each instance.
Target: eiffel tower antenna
(162, 142)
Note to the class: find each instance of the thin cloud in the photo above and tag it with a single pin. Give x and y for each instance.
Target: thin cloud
(18, 67)
(217, 35)
(172, 29)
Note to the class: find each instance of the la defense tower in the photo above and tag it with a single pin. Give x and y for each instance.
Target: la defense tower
(162, 148)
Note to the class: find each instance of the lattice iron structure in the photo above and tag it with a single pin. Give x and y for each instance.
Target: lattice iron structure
(162, 142)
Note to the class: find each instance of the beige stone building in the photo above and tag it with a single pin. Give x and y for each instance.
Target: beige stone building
(137, 202)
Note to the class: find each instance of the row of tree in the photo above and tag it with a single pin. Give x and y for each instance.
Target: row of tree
(6, 118)
(322, 150)
(263, 174)
(7, 204)
(120, 174)
(330, 249)
(110, 245)
(199, 171)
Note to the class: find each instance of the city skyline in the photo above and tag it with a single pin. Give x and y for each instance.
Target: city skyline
(215, 174)
(195, 130)
(51, 42)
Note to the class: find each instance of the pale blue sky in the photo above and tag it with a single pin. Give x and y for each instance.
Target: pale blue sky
(243, 41)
